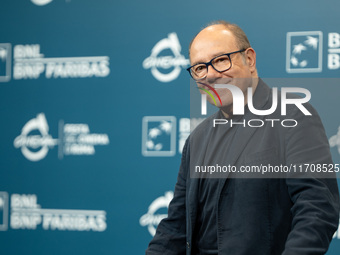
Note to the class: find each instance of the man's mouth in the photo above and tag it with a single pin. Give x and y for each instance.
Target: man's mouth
(209, 87)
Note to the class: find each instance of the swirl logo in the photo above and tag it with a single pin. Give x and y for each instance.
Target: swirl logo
(151, 219)
(35, 146)
(157, 63)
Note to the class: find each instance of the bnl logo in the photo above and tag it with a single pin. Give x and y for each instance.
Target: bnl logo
(5, 62)
(304, 52)
(3, 211)
(159, 136)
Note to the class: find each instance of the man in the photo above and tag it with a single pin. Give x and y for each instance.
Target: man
(231, 215)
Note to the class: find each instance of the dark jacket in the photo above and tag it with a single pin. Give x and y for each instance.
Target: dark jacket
(257, 215)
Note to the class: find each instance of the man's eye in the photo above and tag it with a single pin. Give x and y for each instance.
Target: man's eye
(222, 60)
(199, 68)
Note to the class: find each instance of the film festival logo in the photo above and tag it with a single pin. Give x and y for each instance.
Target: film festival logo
(154, 215)
(159, 63)
(159, 136)
(75, 139)
(304, 52)
(35, 147)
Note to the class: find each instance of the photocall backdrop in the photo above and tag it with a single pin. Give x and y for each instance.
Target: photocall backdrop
(94, 106)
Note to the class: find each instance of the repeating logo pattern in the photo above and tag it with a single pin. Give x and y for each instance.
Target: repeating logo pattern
(5, 62)
(160, 64)
(159, 136)
(3, 211)
(152, 218)
(76, 139)
(35, 147)
(304, 52)
(30, 63)
(26, 213)
(158, 141)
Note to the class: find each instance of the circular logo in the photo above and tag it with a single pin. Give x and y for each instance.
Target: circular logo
(30, 143)
(151, 219)
(177, 61)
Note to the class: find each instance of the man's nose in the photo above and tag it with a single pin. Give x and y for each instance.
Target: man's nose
(212, 74)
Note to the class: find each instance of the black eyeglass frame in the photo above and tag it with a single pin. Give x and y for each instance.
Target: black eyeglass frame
(210, 63)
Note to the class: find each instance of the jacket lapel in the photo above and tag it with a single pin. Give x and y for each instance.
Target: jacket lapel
(242, 137)
(244, 134)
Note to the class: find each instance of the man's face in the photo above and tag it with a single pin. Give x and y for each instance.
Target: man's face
(214, 41)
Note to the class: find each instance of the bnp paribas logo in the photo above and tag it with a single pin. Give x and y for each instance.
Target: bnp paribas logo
(3, 211)
(5, 62)
(159, 136)
(304, 52)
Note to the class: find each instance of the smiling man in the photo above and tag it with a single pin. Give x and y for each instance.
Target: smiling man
(234, 213)
(218, 56)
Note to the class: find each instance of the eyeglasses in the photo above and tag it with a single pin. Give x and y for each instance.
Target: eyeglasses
(220, 63)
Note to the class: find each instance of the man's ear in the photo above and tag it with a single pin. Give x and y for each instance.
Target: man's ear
(250, 56)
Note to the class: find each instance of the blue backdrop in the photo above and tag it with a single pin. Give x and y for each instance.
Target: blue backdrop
(94, 103)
